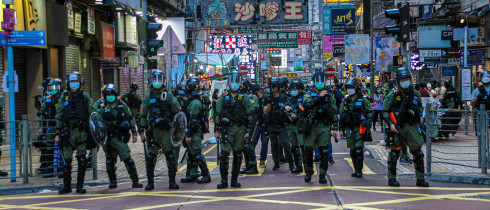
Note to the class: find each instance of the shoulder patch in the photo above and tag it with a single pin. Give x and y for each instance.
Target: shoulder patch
(240, 97)
(398, 98)
(67, 97)
(253, 101)
(307, 95)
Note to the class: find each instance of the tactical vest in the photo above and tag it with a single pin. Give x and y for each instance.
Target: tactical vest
(113, 121)
(50, 109)
(235, 112)
(485, 101)
(159, 108)
(323, 112)
(277, 115)
(133, 102)
(75, 107)
(295, 101)
(407, 109)
(352, 116)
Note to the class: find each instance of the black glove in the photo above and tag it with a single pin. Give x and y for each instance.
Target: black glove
(366, 124)
(480, 96)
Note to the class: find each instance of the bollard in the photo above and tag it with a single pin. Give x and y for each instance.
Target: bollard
(466, 119)
(94, 163)
(25, 143)
(428, 145)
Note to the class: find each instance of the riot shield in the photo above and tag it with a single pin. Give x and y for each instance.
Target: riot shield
(177, 132)
(98, 129)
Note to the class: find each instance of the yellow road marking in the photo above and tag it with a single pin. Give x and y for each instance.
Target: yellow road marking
(261, 170)
(314, 170)
(365, 169)
(26, 207)
(204, 153)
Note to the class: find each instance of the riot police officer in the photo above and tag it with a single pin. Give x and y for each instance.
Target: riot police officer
(158, 110)
(406, 105)
(194, 113)
(73, 116)
(234, 116)
(101, 102)
(293, 107)
(48, 112)
(133, 100)
(356, 115)
(320, 122)
(119, 123)
(480, 95)
(276, 118)
(261, 130)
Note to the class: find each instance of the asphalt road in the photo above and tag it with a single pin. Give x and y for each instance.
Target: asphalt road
(271, 190)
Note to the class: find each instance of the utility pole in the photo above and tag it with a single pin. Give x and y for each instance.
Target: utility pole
(371, 67)
(144, 6)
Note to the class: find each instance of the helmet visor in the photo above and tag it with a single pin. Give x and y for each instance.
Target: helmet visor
(158, 78)
(319, 79)
(235, 79)
(54, 87)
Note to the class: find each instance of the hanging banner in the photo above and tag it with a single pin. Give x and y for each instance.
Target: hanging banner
(78, 23)
(304, 37)
(133, 60)
(386, 48)
(91, 20)
(108, 41)
(71, 17)
(357, 49)
(277, 40)
(327, 18)
(253, 12)
(343, 21)
(238, 45)
(327, 45)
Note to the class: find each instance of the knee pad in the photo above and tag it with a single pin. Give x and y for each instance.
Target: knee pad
(198, 156)
(309, 150)
(394, 154)
(150, 156)
(109, 162)
(129, 160)
(223, 155)
(82, 161)
(358, 152)
(170, 155)
(323, 150)
(237, 154)
(418, 154)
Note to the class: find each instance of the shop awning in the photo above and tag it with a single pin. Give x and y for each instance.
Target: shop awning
(215, 59)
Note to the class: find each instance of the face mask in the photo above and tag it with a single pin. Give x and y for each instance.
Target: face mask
(405, 84)
(157, 85)
(53, 92)
(319, 86)
(111, 99)
(235, 87)
(294, 93)
(75, 85)
(351, 91)
(485, 80)
(181, 92)
(379, 91)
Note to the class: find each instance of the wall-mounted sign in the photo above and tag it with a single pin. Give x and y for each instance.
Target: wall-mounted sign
(327, 18)
(133, 60)
(273, 51)
(112, 64)
(304, 37)
(446, 35)
(448, 71)
(475, 57)
(357, 49)
(71, 16)
(277, 40)
(338, 50)
(78, 23)
(430, 37)
(343, 21)
(231, 44)
(90, 20)
(108, 41)
(131, 30)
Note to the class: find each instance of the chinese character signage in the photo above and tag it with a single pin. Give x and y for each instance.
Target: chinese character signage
(475, 57)
(133, 60)
(247, 12)
(343, 21)
(357, 49)
(78, 23)
(71, 17)
(238, 45)
(273, 51)
(386, 48)
(327, 19)
(91, 20)
(304, 37)
(108, 41)
(277, 40)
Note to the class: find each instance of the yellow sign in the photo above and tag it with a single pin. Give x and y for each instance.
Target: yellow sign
(327, 55)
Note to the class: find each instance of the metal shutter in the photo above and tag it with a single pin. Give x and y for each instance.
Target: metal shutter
(139, 74)
(72, 56)
(95, 94)
(86, 70)
(126, 79)
(108, 76)
(21, 96)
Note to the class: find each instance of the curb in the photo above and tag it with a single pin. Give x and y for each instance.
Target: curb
(465, 179)
(36, 189)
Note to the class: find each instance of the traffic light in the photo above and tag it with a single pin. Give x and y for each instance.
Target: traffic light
(401, 30)
(152, 44)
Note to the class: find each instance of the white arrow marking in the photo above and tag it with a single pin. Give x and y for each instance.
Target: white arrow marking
(42, 42)
(41, 33)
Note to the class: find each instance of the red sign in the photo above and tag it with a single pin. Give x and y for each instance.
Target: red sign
(108, 41)
(304, 37)
(8, 23)
(243, 70)
(330, 72)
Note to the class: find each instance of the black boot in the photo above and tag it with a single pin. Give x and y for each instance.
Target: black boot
(323, 180)
(353, 159)
(244, 171)
(82, 167)
(110, 165)
(235, 169)
(66, 178)
(189, 179)
(359, 162)
(422, 183)
(172, 170)
(252, 170)
(392, 182)
(308, 157)
(206, 178)
(133, 173)
(223, 169)
(150, 171)
(291, 167)
(276, 166)
(247, 161)
(295, 153)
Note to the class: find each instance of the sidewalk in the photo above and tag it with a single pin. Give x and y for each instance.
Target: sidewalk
(453, 160)
(38, 183)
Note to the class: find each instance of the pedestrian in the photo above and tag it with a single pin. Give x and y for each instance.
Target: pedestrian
(378, 107)
(133, 100)
(194, 112)
(407, 104)
(72, 126)
(234, 116)
(356, 116)
(423, 90)
(321, 114)
(480, 95)
(47, 126)
(159, 107)
(294, 105)
(276, 119)
(120, 126)
(260, 133)
(451, 98)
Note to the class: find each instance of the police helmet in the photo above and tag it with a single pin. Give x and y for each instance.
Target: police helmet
(283, 81)
(403, 73)
(296, 84)
(45, 83)
(246, 83)
(484, 74)
(447, 83)
(255, 88)
(158, 79)
(235, 81)
(73, 77)
(275, 82)
(339, 85)
(351, 83)
(110, 89)
(391, 83)
(133, 86)
(192, 87)
(319, 79)
(55, 86)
